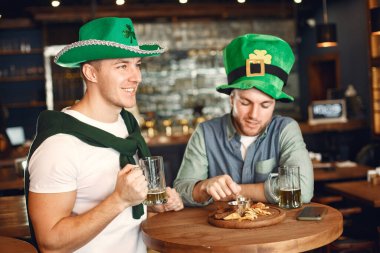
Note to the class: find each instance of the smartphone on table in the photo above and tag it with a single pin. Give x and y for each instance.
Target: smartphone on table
(312, 213)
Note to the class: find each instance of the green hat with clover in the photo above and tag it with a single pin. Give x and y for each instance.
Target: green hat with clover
(105, 38)
(258, 61)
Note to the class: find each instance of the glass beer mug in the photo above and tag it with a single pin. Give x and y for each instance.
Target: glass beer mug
(288, 186)
(153, 168)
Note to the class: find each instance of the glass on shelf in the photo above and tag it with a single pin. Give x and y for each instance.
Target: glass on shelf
(15, 45)
(167, 123)
(25, 46)
(185, 126)
(199, 120)
(150, 128)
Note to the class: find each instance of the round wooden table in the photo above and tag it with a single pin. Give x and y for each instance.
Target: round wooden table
(189, 231)
(8, 244)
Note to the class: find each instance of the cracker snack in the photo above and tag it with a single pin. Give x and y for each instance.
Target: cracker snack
(250, 213)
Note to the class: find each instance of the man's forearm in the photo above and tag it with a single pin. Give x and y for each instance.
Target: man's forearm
(200, 195)
(253, 191)
(72, 232)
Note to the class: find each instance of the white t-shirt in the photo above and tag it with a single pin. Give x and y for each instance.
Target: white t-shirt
(246, 141)
(64, 163)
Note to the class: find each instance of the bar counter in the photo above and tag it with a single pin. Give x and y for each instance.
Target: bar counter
(350, 125)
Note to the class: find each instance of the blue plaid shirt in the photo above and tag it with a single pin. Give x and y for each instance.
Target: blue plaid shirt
(219, 153)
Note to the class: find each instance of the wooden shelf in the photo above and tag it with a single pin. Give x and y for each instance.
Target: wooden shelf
(350, 125)
(25, 104)
(67, 76)
(22, 78)
(18, 52)
(162, 140)
(16, 23)
(162, 10)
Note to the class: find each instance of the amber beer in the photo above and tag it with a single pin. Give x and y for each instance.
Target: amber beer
(155, 197)
(289, 186)
(153, 168)
(290, 198)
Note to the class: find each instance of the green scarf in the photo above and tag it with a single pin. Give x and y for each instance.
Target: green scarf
(53, 122)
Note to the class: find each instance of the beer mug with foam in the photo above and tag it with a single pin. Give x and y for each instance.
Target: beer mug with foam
(289, 186)
(153, 168)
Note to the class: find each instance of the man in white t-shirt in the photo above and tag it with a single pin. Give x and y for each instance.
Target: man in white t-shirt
(81, 196)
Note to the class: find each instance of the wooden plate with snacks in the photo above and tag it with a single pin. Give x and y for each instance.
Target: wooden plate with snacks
(273, 215)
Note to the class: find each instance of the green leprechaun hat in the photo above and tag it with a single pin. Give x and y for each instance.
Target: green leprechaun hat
(258, 61)
(105, 38)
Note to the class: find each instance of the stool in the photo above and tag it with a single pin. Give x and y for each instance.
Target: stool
(13, 245)
(327, 200)
(350, 210)
(349, 245)
(338, 203)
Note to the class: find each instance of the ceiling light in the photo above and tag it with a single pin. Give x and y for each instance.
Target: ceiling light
(120, 2)
(326, 32)
(311, 22)
(182, 1)
(298, 1)
(241, 1)
(55, 3)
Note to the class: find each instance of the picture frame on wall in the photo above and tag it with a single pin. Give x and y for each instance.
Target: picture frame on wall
(327, 111)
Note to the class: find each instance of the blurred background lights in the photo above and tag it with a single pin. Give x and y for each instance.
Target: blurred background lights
(55, 3)
(120, 2)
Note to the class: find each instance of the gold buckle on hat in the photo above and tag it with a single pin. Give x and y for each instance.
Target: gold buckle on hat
(254, 61)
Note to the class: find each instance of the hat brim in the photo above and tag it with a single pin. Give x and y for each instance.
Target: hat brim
(74, 54)
(268, 89)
